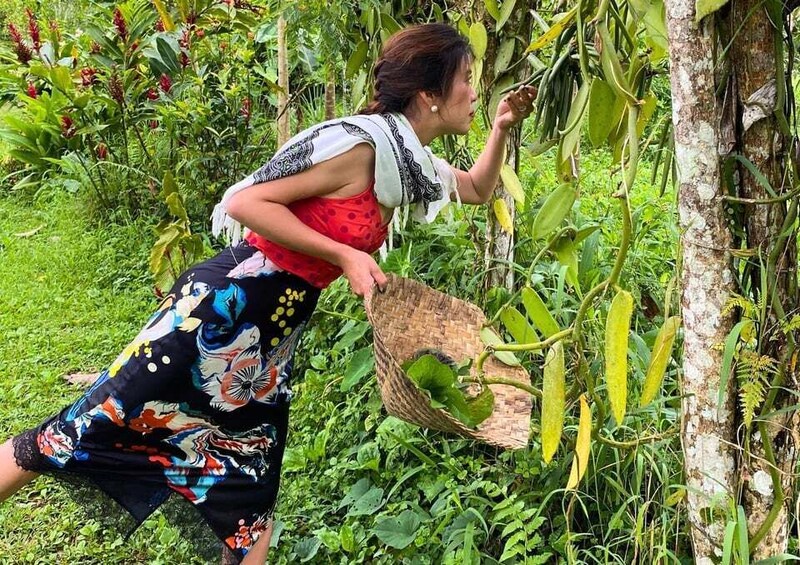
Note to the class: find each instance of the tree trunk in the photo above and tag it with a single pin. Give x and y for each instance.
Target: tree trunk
(706, 278)
(283, 84)
(330, 92)
(760, 140)
(499, 251)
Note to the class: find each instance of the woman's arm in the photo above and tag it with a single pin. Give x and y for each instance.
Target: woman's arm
(477, 185)
(263, 208)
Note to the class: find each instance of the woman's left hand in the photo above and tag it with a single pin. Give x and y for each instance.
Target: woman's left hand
(515, 107)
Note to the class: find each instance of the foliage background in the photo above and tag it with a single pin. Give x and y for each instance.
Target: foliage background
(76, 251)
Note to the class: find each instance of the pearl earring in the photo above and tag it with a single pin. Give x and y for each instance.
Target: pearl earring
(434, 108)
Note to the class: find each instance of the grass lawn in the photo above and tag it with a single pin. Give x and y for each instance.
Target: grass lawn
(73, 292)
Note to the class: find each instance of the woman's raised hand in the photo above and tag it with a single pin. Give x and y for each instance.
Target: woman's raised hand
(362, 272)
(515, 107)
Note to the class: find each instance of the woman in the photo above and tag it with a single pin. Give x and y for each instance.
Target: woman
(198, 403)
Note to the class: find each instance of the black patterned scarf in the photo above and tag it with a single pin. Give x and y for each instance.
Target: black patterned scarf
(406, 173)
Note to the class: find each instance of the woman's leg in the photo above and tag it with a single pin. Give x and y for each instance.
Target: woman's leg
(258, 554)
(12, 476)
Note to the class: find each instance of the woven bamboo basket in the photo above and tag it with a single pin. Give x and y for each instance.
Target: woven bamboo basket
(410, 316)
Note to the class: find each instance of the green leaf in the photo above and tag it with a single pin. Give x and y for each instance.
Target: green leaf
(389, 23)
(705, 7)
(567, 255)
(61, 78)
(512, 184)
(492, 9)
(505, 12)
(538, 313)
(489, 337)
(356, 59)
(618, 326)
(361, 363)
(601, 119)
(504, 55)
(399, 531)
(577, 113)
(555, 30)
(554, 210)
(367, 504)
(727, 359)
(518, 326)
(169, 54)
(478, 39)
(307, 549)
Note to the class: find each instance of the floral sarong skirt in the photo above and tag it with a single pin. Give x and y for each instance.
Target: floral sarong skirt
(197, 404)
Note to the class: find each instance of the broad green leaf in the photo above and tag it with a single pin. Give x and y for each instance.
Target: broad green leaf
(489, 337)
(492, 9)
(518, 326)
(612, 69)
(583, 233)
(582, 446)
(478, 39)
(645, 112)
(577, 113)
(703, 8)
(399, 531)
(62, 79)
(512, 184)
(307, 548)
(497, 94)
(555, 30)
(347, 538)
(356, 59)
(538, 313)
(168, 54)
(504, 54)
(601, 117)
(389, 23)
(554, 210)
(618, 326)
(359, 489)
(367, 504)
(506, 10)
(362, 362)
(503, 215)
(440, 383)
(567, 255)
(662, 351)
(743, 536)
(553, 400)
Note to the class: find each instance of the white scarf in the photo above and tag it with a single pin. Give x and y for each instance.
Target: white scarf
(406, 173)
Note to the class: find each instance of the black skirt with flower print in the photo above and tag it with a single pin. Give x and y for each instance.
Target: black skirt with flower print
(197, 404)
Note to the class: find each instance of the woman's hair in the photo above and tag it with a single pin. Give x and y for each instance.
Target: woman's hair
(420, 58)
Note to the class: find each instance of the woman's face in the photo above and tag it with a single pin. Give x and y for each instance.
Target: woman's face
(458, 108)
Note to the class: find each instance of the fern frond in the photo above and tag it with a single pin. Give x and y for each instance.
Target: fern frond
(748, 308)
(791, 325)
(752, 372)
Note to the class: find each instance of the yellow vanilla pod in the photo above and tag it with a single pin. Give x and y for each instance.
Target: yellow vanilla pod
(581, 459)
(617, 327)
(662, 350)
(553, 400)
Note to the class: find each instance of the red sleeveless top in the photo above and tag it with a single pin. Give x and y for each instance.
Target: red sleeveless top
(355, 221)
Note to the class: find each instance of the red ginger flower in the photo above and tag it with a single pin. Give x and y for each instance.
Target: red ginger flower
(68, 128)
(165, 83)
(32, 90)
(102, 151)
(184, 58)
(119, 23)
(33, 29)
(95, 48)
(23, 52)
(116, 89)
(160, 25)
(246, 109)
(88, 76)
(151, 94)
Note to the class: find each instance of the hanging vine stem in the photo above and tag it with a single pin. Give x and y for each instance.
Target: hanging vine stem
(538, 345)
(533, 391)
(635, 442)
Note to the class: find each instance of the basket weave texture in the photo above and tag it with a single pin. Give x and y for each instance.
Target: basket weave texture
(410, 316)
